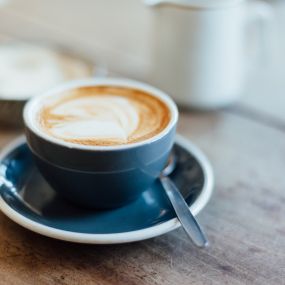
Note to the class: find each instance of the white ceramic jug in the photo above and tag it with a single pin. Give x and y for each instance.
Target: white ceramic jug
(200, 48)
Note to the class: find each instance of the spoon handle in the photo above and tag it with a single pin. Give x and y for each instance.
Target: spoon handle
(184, 215)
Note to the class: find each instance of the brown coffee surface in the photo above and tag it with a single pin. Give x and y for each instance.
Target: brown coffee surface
(104, 116)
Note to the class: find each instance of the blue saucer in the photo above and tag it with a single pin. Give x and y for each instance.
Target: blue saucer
(28, 200)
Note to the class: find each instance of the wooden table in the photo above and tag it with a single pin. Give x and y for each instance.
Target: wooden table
(245, 219)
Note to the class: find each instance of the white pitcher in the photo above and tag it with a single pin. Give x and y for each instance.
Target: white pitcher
(200, 48)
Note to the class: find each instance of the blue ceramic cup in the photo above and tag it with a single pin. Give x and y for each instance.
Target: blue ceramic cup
(99, 176)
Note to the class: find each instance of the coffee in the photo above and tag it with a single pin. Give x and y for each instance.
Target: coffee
(101, 142)
(103, 115)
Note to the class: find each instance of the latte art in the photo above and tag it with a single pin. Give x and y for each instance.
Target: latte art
(100, 117)
(104, 116)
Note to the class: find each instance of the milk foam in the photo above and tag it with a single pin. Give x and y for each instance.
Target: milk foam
(99, 117)
(103, 115)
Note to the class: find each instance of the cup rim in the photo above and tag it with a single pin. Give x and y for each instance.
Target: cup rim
(32, 104)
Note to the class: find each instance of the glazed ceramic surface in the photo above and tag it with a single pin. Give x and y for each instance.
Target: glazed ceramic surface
(28, 200)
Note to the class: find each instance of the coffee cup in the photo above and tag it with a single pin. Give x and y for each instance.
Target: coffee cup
(101, 142)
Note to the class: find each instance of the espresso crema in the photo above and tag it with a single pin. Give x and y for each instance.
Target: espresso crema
(103, 116)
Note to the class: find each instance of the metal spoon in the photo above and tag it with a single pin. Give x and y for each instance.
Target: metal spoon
(184, 215)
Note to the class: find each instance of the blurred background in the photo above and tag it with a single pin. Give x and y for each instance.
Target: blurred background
(116, 37)
(116, 33)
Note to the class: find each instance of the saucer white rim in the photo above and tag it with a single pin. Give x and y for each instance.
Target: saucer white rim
(115, 238)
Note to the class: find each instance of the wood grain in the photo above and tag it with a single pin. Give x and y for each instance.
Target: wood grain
(244, 221)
